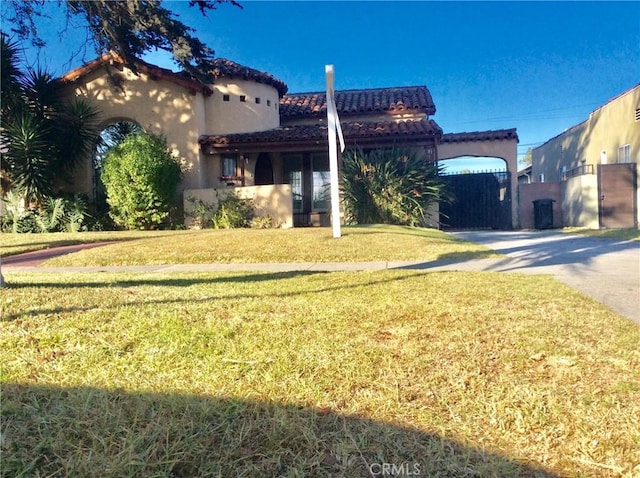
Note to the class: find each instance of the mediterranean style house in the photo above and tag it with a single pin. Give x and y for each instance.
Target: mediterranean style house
(590, 171)
(242, 132)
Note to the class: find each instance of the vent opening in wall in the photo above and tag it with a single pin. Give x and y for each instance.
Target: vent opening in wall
(257, 101)
(225, 97)
(637, 114)
(268, 102)
(243, 99)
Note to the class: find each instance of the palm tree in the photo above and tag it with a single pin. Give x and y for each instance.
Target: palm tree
(44, 137)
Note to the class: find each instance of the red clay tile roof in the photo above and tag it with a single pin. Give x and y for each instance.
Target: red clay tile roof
(353, 132)
(374, 100)
(221, 67)
(153, 71)
(499, 134)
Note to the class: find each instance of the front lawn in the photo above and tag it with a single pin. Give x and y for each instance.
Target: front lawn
(315, 374)
(358, 244)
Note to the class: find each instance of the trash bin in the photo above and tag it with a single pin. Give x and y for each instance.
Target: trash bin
(543, 213)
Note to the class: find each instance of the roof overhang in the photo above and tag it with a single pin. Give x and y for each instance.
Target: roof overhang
(311, 137)
(491, 135)
(154, 72)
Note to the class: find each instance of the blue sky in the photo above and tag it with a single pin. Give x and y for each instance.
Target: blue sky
(540, 67)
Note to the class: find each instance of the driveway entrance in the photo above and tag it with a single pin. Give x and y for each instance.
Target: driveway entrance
(607, 270)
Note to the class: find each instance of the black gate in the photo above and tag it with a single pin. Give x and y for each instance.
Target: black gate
(480, 201)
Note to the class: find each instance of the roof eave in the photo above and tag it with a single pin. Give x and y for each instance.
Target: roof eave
(154, 72)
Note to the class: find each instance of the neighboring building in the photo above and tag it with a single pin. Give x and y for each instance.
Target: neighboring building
(243, 131)
(591, 170)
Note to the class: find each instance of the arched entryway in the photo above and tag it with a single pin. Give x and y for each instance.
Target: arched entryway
(264, 170)
(485, 199)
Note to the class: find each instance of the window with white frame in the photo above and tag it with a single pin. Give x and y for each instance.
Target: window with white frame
(229, 166)
(624, 154)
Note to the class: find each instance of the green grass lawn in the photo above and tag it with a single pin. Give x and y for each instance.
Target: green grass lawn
(314, 374)
(358, 244)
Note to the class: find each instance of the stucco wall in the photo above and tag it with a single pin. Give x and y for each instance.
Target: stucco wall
(532, 192)
(234, 116)
(594, 141)
(157, 106)
(275, 201)
(580, 201)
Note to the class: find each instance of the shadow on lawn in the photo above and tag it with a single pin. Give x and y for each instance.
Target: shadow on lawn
(87, 431)
(150, 280)
(206, 278)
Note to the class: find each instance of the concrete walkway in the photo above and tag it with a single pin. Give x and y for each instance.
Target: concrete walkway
(605, 269)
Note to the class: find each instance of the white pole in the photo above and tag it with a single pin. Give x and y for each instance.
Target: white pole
(334, 128)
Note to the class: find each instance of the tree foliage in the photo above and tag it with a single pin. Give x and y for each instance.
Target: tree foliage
(392, 186)
(527, 158)
(128, 27)
(140, 177)
(44, 137)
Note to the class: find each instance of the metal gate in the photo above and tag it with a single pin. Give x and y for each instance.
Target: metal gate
(480, 201)
(617, 190)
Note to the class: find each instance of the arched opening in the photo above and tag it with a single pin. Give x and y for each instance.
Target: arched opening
(473, 164)
(264, 170)
(112, 135)
(481, 190)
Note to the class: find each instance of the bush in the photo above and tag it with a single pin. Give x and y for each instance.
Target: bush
(201, 212)
(140, 178)
(392, 186)
(61, 214)
(233, 212)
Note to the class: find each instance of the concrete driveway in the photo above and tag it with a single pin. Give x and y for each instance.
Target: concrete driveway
(607, 270)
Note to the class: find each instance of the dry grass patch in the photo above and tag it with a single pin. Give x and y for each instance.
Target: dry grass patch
(615, 234)
(358, 244)
(315, 374)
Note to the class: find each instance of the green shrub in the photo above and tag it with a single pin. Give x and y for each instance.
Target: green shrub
(391, 186)
(233, 212)
(201, 212)
(140, 178)
(60, 214)
(263, 222)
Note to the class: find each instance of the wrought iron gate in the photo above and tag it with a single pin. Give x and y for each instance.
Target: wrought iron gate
(480, 201)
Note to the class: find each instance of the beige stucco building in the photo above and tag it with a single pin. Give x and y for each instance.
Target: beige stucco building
(593, 168)
(243, 130)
